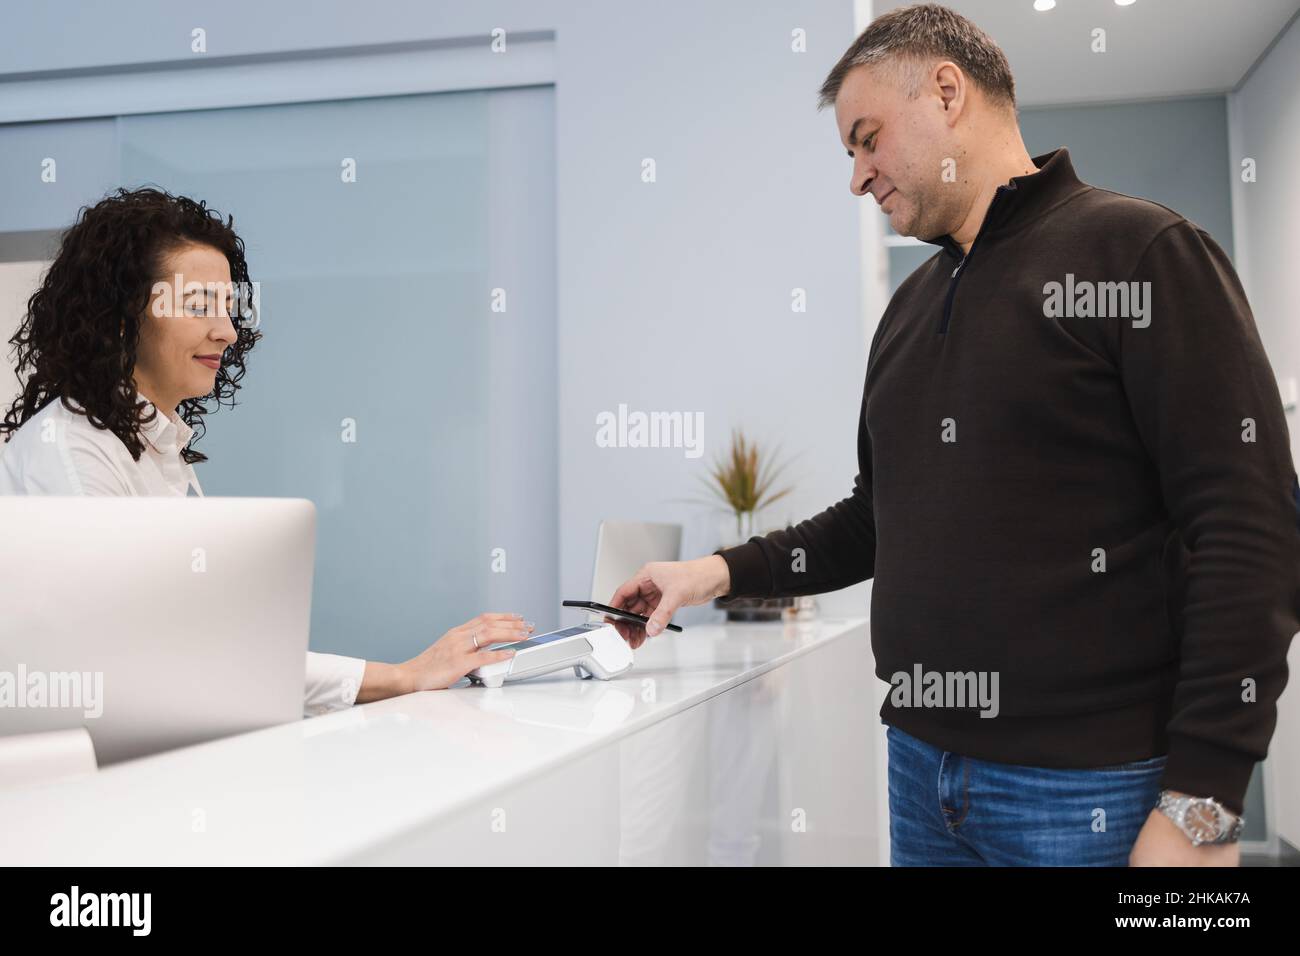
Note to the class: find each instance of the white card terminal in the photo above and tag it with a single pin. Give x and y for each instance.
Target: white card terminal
(593, 649)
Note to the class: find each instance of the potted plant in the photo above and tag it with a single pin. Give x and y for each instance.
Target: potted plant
(742, 483)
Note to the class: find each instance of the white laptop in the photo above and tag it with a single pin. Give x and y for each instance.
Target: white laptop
(153, 622)
(622, 547)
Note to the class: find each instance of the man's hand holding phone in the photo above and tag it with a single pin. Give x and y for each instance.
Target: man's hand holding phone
(661, 587)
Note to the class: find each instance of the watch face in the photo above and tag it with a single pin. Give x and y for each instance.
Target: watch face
(1203, 820)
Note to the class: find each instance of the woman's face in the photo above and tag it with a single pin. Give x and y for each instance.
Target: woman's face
(186, 327)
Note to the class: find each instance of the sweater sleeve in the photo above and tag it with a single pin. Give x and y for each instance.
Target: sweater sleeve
(826, 552)
(1207, 409)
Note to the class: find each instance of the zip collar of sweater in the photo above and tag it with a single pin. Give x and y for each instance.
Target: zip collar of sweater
(1024, 199)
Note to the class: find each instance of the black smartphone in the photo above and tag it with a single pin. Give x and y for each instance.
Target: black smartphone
(615, 612)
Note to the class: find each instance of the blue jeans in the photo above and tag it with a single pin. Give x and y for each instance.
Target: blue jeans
(949, 810)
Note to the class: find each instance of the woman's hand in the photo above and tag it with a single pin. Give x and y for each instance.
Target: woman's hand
(455, 654)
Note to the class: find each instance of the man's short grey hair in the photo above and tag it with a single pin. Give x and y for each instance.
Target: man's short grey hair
(910, 40)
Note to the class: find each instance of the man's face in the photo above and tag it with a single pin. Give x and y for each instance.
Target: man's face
(898, 147)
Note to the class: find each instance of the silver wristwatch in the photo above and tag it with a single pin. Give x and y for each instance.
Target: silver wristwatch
(1203, 819)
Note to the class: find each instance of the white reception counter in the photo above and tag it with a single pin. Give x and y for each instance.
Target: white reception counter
(727, 744)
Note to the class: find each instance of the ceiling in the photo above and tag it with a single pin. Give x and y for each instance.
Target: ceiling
(1154, 48)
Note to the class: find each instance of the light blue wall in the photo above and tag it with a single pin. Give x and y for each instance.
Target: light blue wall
(368, 393)
(1173, 152)
(85, 167)
(384, 389)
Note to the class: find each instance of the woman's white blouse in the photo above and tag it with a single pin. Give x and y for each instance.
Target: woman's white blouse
(58, 452)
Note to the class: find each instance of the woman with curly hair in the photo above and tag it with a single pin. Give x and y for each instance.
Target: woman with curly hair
(142, 320)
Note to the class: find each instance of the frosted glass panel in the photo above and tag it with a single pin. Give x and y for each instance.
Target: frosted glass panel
(374, 299)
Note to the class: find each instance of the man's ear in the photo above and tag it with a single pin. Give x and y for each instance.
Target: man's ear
(950, 82)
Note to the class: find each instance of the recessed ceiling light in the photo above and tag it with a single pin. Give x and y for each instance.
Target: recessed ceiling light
(1042, 6)
(1124, 3)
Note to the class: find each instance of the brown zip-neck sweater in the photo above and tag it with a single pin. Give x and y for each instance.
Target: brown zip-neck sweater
(1074, 473)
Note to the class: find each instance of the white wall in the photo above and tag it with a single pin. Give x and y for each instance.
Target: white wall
(1264, 125)
(676, 296)
(18, 280)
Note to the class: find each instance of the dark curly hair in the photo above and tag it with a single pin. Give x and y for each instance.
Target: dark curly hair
(79, 337)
